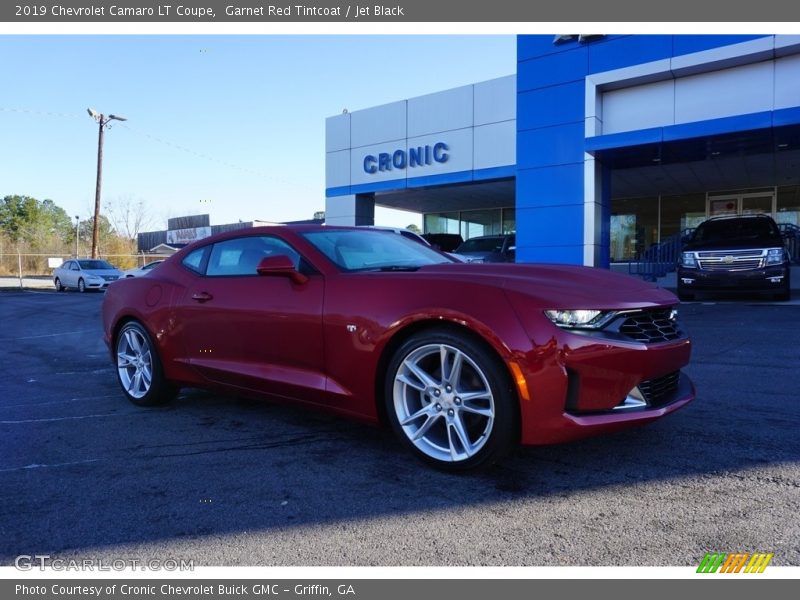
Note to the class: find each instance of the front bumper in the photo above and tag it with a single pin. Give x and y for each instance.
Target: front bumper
(763, 279)
(579, 386)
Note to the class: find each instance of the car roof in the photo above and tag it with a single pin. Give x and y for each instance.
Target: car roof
(735, 217)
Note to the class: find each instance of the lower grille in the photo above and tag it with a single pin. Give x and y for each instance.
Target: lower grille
(657, 392)
(651, 326)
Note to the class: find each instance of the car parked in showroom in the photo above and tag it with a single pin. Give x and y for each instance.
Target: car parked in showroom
(85, 274)
(735, 254)
(488, 248)
(143, 270)
(462, 361)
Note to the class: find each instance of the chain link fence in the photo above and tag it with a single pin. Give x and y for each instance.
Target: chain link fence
(36, 270)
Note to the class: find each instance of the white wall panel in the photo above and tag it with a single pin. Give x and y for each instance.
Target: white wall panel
(495, 100)
(379, 124)
(736, 91)
(639, 107)
(495, 145)
(357, 173)
(787, 82)
(459, 152)
(443, 111)
(340, 210)
(337, 133)
(337, 169)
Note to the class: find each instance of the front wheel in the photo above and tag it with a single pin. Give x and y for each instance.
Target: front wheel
(81, 286)
(139, 368)
(683, 295)
(786, 293)
(450, 401)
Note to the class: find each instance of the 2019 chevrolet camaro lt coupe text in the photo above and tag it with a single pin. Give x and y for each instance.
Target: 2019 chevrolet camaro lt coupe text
(463, 361)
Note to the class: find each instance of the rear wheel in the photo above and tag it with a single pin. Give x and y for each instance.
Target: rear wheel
(59, 287)
(450, 401)
(139, 369)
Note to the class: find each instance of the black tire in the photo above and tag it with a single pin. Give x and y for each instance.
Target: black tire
(81, 285)
(785, 294)
(159, 391)
(59, 287)
(450, 420)
(683, 295)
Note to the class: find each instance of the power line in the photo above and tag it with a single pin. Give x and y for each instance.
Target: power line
(155, 138)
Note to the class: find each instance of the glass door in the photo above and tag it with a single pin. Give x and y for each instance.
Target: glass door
(754, 203)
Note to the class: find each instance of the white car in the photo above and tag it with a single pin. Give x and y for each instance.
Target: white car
(85, 274)
(142, 270)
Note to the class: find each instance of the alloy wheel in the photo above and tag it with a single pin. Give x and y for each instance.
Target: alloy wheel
(134, 363)
(443, 402)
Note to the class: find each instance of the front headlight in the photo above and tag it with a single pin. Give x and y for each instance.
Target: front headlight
(579, 319)
(774, 256)
(688, 260)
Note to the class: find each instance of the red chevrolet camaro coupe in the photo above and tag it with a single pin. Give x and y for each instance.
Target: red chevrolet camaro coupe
(462, 360)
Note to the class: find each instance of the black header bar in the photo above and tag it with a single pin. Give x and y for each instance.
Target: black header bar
(400, 11)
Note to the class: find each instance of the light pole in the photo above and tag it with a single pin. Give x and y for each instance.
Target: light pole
(102, 121)
(77, 224)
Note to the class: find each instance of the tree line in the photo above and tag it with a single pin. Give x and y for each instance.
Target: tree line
(29, 226)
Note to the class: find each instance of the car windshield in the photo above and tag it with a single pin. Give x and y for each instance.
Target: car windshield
(727, 230)
(373, 250)
(489, 244)
(94, 265)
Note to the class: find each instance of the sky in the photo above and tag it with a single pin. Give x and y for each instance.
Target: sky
(231, 125)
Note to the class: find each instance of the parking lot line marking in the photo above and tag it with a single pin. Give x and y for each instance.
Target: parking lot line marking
(62, 419)
(46, 335)
(42, 466)
(28, 404)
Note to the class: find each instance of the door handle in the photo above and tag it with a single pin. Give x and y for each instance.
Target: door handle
(202, 297)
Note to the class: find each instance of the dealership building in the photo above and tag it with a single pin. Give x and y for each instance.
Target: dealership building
(597, 148)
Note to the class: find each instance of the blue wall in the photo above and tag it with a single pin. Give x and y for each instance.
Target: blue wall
(551, 134)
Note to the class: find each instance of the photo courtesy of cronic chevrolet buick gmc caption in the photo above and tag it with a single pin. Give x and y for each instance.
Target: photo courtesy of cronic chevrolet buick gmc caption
(462, 361)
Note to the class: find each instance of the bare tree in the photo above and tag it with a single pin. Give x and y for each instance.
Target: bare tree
(129, 217)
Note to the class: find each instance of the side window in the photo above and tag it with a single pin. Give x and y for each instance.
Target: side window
(240, 256)
(74, 266)
(194, 260)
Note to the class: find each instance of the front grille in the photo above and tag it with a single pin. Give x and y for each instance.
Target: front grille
(651, 326)
(110, 277)
(732, 260)
(659, 391)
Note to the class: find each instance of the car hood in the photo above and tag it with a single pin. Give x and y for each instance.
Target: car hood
(103, 272)
(560, 286)
(735, 245)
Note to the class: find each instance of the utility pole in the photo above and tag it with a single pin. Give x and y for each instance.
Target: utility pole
(102, 121)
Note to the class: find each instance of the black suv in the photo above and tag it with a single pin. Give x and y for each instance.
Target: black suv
(488, 248)
(736, 254)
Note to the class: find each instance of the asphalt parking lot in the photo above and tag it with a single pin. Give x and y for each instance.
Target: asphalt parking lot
(227, 481)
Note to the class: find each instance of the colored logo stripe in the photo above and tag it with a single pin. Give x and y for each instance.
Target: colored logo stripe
(734, 562)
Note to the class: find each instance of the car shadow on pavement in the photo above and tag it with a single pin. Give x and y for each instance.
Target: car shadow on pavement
(209, 468)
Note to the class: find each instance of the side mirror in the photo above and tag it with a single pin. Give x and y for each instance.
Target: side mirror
(280, 265)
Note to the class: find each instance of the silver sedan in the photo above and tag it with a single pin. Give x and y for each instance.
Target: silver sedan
(85, 274)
